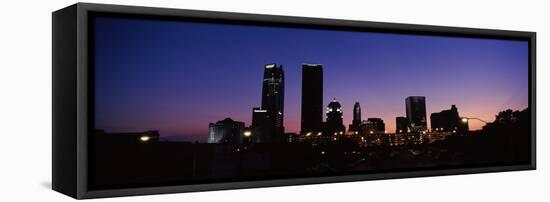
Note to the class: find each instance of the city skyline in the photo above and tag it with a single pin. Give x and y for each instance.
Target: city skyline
(377, 70)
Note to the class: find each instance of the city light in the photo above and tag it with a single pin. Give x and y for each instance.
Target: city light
(409, 131)
(144, 138)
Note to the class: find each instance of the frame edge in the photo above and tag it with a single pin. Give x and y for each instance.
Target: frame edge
(82, 113)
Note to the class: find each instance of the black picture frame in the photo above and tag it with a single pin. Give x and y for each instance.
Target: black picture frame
(73, 100)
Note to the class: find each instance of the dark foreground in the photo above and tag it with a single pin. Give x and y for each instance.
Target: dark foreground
(118, 164)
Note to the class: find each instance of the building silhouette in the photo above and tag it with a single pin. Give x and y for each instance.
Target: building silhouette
(401, 125)
(448, 121)
(268, 120)
(356, 122)
(416, 113)
(260, 125)
(312, 98)
(373, 125)
(334, 124)
(225, 131)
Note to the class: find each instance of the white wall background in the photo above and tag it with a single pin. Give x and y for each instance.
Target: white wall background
(25, 99)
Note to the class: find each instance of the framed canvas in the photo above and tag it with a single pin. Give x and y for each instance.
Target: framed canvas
(154, 100)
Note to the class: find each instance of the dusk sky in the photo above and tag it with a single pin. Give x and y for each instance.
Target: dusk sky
(176, 77)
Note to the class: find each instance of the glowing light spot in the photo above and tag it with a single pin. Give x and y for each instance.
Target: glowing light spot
(144, 138)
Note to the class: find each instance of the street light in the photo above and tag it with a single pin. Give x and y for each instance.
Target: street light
(144, 138)
(247, 133)
(466, 119)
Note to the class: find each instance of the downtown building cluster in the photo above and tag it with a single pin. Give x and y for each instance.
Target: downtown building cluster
(268, 119)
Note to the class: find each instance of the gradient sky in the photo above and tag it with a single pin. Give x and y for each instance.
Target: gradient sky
(176, 77)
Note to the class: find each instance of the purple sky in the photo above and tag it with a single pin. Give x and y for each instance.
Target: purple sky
(176, 77)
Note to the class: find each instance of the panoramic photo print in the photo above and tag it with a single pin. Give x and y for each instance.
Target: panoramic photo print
(182, 102)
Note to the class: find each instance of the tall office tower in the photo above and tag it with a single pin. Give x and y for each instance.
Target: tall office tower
(416, 113)
(334, 124)
(312, 98)
(273, 96)
(356, 122)
(401, 125)
(260, 125)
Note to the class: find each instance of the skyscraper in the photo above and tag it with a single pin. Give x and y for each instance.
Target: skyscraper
(260, 125)
(334, 124)
(312, 98)
(416, 113)
(356, 122)
(271, 126)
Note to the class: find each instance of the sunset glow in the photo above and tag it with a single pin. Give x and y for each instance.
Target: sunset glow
(177, 77)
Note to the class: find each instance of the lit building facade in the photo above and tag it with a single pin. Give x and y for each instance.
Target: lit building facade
(334, 123)
(268, 121)
(225, 131)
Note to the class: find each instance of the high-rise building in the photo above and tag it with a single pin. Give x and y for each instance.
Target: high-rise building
(225, 131)
(448, 121)
(312, 98)
(416, 113)
(260, 125)
(356, 122)
(268, 120)
(401, 125)
(334, 124)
